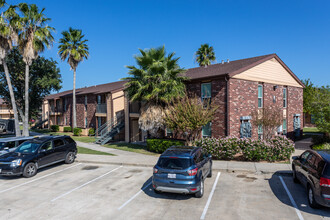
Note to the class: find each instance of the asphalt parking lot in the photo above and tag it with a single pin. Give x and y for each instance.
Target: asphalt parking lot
(94, 191)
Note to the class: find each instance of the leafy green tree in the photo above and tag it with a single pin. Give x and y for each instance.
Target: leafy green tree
(187, 116)
(9, 25)
(74, 49)
(34, 37)
(45, 78)
(317, 103)
(205, 55)
(155, 81)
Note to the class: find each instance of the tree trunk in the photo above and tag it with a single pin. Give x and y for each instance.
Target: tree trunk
(26, 118)
(74, 100)
(12, 99)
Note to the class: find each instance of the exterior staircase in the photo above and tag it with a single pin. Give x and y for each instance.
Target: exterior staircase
(107, 131)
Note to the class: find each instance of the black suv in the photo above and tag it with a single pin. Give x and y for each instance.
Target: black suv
(182, 169)
(38, 153)
(312, 169)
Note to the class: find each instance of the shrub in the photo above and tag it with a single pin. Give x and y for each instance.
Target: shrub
(67, 129)
(325, 146)
(77, 131)
(276, 149)
(54, 128)
(160, 145)
(225, 148)
(91, 132)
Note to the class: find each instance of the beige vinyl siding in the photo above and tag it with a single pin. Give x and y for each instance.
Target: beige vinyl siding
(118, 101)
(270, 71)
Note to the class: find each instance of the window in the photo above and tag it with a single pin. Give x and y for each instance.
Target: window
(47, 146)
(206, 92)
(169, 132)
(85, 102)
(284, 97)
(260, 94)
(69, 140)
(58, 143)
(284, 127)
(65, 104)
(260, 132)
(207, 130)
(65, 120)
(86, 123)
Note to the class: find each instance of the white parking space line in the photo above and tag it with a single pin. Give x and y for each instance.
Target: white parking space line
(93, 180)
(210, 197)
(291, 199)
(133, 197)
(31, 181)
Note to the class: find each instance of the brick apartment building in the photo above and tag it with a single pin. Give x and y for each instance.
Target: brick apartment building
(5, 112)
(238, 88)
(95, 106)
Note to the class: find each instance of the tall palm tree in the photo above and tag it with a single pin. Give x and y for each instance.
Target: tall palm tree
(73, 48)
(35, 36)
(9, 25)
(156, 81)
(205, 55)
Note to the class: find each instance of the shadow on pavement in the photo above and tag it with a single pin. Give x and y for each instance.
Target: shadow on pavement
(298, 192)
(170, 196)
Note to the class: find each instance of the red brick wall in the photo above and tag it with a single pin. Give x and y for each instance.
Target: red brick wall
(243, 99)
(218, 87)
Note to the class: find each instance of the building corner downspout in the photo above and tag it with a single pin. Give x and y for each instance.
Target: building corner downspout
(227, 125)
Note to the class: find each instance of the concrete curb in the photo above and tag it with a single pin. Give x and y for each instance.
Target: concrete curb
(282, 172)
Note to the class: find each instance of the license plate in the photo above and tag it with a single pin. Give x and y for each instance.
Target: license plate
(171, 175)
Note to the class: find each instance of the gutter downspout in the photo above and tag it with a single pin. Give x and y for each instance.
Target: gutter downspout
(227, 105)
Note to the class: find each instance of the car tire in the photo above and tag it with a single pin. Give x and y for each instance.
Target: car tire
(294, 175)
(30, 170)
(210, 173)
(311, 198)
(70, 157)
(200, 193)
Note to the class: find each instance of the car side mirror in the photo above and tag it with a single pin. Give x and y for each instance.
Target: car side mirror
(42, 150)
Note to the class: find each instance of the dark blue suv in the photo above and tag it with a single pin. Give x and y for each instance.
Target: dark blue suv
(182, 169)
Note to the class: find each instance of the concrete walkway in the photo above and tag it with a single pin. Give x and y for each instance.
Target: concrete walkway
(136, 159)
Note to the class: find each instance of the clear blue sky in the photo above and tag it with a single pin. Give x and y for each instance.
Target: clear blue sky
(297, 30)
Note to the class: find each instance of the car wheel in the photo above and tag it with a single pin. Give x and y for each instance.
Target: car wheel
(200, 193)
(70, 157)
(210, 173)
(30, 170)
(294, 175)
(311, 199)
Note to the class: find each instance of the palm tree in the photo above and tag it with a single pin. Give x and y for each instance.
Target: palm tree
(205, 55)
(156, 81)
(9, 25)
(73, 48)
(35, 36)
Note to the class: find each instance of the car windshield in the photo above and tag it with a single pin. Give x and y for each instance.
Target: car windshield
(174, 163)
(27, 147)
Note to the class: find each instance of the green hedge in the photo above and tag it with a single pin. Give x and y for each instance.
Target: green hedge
(54, 128)
(160, 145)
(67, 129)
(77, 131)
(91, 132)
(276, 149)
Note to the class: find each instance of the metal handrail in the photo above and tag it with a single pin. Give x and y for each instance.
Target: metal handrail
(106, 128)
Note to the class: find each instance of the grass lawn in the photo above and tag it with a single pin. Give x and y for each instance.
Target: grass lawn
(132, 148)
(82, 150)
(311, 130)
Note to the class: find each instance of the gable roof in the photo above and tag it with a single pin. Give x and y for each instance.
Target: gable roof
(234, 67)
(97, 89)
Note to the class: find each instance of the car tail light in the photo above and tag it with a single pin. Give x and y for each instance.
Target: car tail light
(155, 170)
(193, 189)
(324, 182)
(192, 172)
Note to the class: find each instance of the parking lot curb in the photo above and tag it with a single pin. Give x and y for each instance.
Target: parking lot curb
(281, 172)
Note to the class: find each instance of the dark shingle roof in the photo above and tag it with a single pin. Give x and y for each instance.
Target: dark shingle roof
(98, 89)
